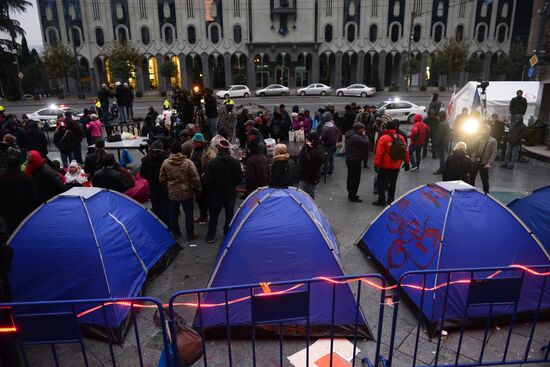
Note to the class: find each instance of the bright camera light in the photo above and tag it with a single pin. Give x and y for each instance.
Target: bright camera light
(471, 126)
(52, 106)
(196, 89)
(397, 99)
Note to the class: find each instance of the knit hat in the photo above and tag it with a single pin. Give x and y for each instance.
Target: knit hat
(223, 145)
(198, 137)
(417, 118)
(73, 164)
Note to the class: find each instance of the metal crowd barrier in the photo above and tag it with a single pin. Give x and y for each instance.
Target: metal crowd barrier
(458, 317)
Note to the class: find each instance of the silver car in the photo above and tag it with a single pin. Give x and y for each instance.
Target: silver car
(315, 89)
(49, 115)
(401, 110)
(273, 90)
(359, 90)
(234, 91)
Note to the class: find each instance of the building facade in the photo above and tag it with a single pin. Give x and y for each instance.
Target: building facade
(215, 43)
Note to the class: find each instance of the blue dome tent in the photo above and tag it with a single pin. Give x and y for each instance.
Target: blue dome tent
(534, 210)
(89, 243)
(279, 235)
(450, 225)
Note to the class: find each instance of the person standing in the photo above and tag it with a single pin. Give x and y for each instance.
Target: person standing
(94, 128)
(75, 128)
(497, 132)
(442, 139)
(280, 169)
(211, 112)
(129, 102)
(457, 166)
(347, 123)
(310, 160)
(64, 140)
(122, 102)
(418, 135)
(201, 155)
(240, 131)
(150, 170)
(182, 180)
(221, 178)
(391, 154)
(356, 150)
(103, 96)
(515, 138)
(518, 105)
(36, 139)
(256, 169)
(329, 138)
(483, 154)
(432, 122)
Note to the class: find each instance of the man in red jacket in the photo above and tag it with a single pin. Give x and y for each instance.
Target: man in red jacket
(418, 139)
(391, 152)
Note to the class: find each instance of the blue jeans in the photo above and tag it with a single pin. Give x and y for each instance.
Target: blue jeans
(122, 114)
(415, 154)
(328, 164)
(187, 206)
(66, 158)
(213, 126)
(512, 154)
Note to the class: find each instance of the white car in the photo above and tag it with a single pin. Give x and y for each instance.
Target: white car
(273, 90)
(401, 110)
(49, 115)
(315, 89)
(234, 91)
(360, 90)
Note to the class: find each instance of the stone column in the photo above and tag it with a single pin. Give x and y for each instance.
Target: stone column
(205, 71)
(402, 66)
(250, 72)
(183, 74)
(382, 68)
(360, 68)
(338, 70)
(162, 80)
(422, 74)
(228, 70)
(139, 77)
(315, 67)
(95, 80)
(487, 66)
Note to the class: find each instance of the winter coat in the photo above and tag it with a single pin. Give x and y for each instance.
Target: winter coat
(75, 128)
(94, 127)
(21, 200)
(187, 148)
(211, 107)
(256, 172)
(48, 183)
(222, 176)
(91, 164)
(311, 159)
(329, 134)
(382, 159)
(240, 131)
(516, 133)
(103, 96)
(357, 146)
(5, 152)
(434, 107)
(418, 133)
(122, 99)
(442, 135)
(497, 130)
(484, 148)
(518, 105)
(109, 178)
(150, 165)
(181, 177)
(64, 140)
(187, 111)
(76, 179)
(457, 167)
(201, 158)
(36, 139)
(280, 171)
(347, 121)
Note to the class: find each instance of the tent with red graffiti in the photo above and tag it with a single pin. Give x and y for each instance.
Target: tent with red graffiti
(279, 235)
(452, 225)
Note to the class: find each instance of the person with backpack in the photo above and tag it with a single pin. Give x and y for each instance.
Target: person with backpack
(391, 153)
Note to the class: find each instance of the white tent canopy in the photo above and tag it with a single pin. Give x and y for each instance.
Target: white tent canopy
(499, 95)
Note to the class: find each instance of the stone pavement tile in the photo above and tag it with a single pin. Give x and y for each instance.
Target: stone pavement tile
(517, 347)
(100, 350)
(68, 355)
(448, 357)
(541, 333)
(471, 344)
(426, 348)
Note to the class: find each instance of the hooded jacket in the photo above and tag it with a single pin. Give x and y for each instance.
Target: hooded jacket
(357, 146)
(181, 177)
(48, 182)
(418, 133)
(36, 139)
(150, 165)
(516, 133)
(311, 160)
(457, 167)
(382, 159)
(280, 171)
(256, 172)
(329, 134)
(222, 176)
(109, 178)
(64, 140)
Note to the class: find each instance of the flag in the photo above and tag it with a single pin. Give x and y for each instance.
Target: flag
(450, 107)
(477, 101)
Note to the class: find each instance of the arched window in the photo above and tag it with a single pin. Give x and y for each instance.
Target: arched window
(459, 36)
(191, 34)
(481, 31)
(438, 33)
(145, 37)
(52, 36)
(417, 32)
(75, 35)
(395, 33)
(214, 34)
(237, 34)
(122, 36)
(501, 36)
(328, 33)
(168, 34)
(99, 37)
(373, 33)
(351, 32)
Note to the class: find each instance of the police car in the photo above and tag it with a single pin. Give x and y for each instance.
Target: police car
(400, 110)
(49, 115)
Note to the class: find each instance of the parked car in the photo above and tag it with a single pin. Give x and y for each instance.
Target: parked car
(315, 89)
(273, 90)
(49, 114)
(234, 91)
(360, 90)
(401, 110)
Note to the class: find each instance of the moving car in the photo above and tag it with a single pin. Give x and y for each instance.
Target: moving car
(401, 110)
(234, 91)
(360, 90)
(315, 89)
(273, 90)
(49, 114)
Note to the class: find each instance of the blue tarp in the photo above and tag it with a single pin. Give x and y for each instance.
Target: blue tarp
(86, 243)
(278, 235)
(534, 211)
(452, 225)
